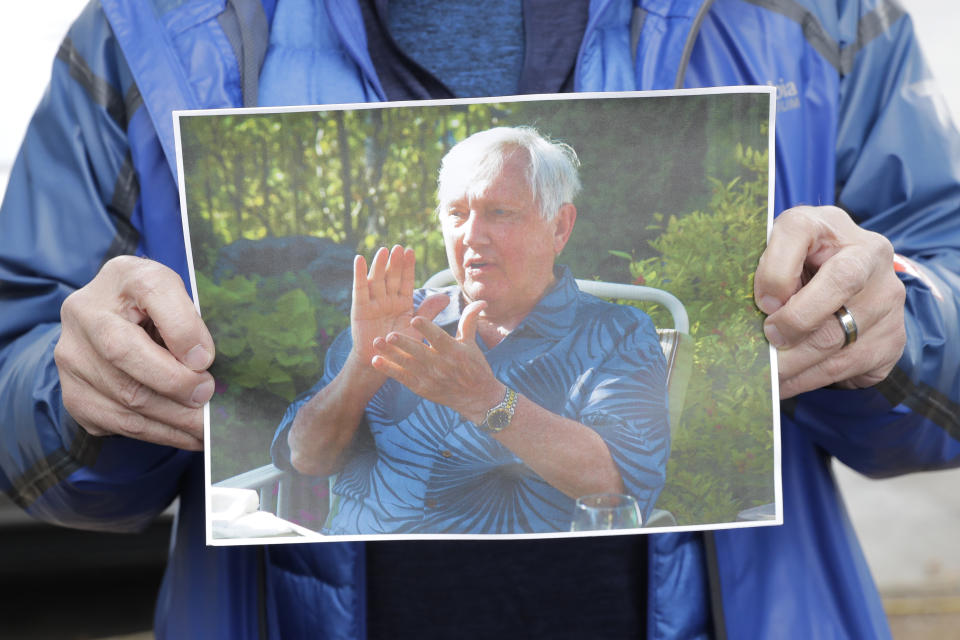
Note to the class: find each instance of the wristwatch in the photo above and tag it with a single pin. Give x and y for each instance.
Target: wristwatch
(498, 418)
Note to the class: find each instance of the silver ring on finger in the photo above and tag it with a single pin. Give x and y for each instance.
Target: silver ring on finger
(848, 324)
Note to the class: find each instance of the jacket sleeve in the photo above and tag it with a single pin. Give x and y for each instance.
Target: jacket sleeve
(68, 208)
(898, 173)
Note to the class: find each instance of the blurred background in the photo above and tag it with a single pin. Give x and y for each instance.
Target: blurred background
(104, 584)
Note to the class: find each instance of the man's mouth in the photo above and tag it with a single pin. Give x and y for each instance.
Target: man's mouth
(477, 266)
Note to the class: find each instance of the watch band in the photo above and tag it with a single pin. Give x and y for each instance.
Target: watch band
(498, 418)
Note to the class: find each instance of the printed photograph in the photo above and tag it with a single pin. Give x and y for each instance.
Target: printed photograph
(510, 318)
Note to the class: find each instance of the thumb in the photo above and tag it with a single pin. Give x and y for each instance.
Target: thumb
(432, 305)
(467, 329)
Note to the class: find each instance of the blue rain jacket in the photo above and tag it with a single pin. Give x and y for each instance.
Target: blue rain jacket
(859, 124)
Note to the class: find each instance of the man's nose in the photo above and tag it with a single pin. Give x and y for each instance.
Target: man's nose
(475, 229)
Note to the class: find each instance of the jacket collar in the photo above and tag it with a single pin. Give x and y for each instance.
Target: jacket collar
(663, 32)
(638, 44)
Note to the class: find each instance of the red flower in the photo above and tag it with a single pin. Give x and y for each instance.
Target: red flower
(640, 280)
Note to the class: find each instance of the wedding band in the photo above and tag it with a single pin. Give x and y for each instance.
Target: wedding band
(849, 325)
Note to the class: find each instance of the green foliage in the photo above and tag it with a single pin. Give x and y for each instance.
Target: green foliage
(360, 178)
(654, 159)
(272, 334)
(722, 453)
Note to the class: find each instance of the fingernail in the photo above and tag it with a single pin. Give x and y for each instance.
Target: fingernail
(774, 336)
(768, 304)
(203, 393)
(197, 358)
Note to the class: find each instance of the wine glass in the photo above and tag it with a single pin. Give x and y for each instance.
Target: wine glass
(605, 511)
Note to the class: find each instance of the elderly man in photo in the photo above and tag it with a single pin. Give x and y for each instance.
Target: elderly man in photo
(489, 406)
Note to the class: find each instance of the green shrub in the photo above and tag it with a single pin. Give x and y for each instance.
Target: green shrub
(722, 452)
(272, 335)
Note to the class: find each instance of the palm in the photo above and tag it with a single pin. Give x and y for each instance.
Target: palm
(377, 318)
(382, 298)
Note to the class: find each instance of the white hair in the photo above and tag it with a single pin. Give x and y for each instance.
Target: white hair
(473, 163)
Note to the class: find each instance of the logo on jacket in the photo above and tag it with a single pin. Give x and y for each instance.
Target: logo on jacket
(788, 96)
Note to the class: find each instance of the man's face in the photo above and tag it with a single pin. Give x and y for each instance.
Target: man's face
(499, 247)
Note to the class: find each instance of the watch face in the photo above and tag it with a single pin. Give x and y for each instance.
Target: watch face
(499, 420)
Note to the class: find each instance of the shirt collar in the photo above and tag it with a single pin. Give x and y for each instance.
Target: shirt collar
(450, 315)
(551, 318)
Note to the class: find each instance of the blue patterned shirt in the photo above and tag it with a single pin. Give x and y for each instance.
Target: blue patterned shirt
(419, 467)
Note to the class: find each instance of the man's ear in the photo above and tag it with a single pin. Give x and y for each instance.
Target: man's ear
(566, 218)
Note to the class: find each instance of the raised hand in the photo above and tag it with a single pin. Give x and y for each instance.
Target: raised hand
(383, 299)
(133, 354)
(382, 305)
(451, 371)
(817, 260)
